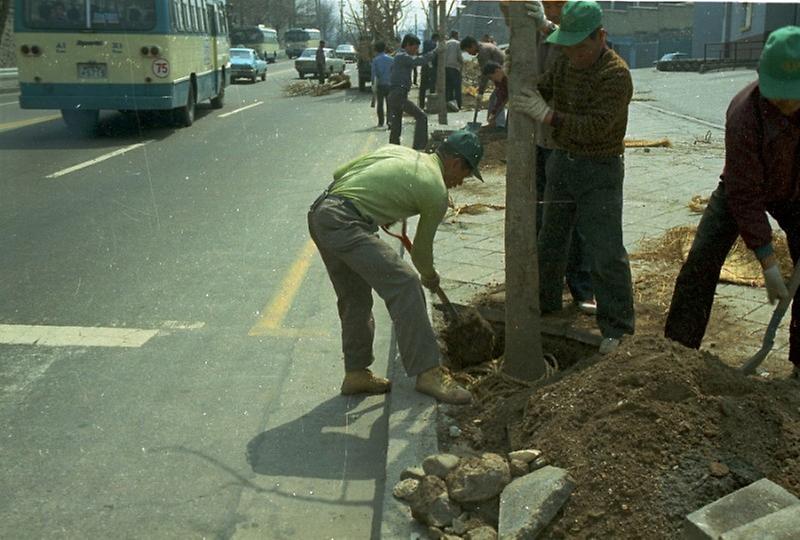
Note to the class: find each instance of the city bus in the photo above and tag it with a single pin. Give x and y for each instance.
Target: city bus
(299, 39)
(259, 38)
(83, 56)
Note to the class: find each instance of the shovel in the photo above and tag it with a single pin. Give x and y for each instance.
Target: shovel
(475, 126)
(749, 367)
(450, 310)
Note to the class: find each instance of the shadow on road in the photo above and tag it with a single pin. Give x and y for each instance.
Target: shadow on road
(114, 129)
(319, 445)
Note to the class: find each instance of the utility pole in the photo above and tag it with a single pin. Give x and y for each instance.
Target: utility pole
(341, 20)
(523, 349)
(440, 67)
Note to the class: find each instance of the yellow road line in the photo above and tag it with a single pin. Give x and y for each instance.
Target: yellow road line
(29, 122)
(271, 322)
(276, 311)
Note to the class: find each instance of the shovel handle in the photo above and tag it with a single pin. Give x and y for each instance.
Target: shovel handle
(750, 366)
(448, 306)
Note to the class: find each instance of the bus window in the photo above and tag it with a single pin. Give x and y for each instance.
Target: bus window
(64, 14)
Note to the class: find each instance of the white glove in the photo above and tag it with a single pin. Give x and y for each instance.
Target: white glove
(776, 288)
(535, 10)
(532, 103)
(430, 283)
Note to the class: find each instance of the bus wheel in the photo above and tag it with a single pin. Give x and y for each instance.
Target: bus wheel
(218, 101)
(81, 122)
(184, 116)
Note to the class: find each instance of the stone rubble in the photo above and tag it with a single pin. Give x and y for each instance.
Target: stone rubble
(458, 498)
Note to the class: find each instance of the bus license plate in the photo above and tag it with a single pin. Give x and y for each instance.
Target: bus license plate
(92, 71)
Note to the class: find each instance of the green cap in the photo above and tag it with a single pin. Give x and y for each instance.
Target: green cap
(578, 20)
(467, 145)
(779, 67)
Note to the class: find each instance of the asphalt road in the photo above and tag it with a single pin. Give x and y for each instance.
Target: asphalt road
(169, 349)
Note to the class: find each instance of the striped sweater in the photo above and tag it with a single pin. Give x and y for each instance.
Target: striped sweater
(591, 105)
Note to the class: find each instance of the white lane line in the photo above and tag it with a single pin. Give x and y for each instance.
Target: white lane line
(9, 103)
(97, 160)
(74, 336)
(240, 109)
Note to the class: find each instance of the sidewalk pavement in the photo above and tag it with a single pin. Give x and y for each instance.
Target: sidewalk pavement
(659, 182)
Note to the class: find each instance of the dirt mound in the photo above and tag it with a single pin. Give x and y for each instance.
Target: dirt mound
(644, 431)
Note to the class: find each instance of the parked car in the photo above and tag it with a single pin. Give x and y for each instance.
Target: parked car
(306, 63)
(672, 57)
(245, 64)
(346, 52)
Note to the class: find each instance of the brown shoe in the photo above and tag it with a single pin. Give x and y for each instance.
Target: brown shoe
(363, 381)
(438, 383)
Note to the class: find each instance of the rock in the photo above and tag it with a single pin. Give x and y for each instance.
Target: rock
(518, 468)
(524, 455)
(481, 533)
(538, 463)
(454, 431)
(459, 525)
(405, 489)
(718, 469)
(529, 503)
(483, 513)
(478, 479)
(451, 537)
(435, 533)
(416, 473)
(781, 525)
(439, 464)
(431, 505)
(736, 509)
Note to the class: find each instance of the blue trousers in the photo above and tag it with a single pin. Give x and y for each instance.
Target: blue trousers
(586, 194)
(579, 264)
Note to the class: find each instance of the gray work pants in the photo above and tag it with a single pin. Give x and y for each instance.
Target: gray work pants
(587, 193)
(358, 261)
(399, 104)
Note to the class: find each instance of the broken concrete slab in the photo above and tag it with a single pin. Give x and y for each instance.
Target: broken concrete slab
(529, 503)
(741, 507)
(781, 525)
(439, 464)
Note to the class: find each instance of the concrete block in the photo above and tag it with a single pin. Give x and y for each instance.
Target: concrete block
(781, 525)
(529, 503)
(739, 508)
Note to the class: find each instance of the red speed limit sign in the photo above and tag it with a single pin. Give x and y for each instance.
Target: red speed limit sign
(160, 68)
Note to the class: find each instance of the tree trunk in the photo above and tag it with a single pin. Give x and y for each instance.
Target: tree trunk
(523, 345)
(440, 68)
(5, 8)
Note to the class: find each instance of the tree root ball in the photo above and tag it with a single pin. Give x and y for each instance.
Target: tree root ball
(469, 340)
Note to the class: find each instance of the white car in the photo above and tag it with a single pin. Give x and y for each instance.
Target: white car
(306, 63)
(347, 52)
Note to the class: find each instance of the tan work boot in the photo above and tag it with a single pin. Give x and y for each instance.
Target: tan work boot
(363, 381)
(440, 384)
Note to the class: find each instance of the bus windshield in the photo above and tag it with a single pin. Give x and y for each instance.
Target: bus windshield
(90, 14)
(296, 35)
(247, 35)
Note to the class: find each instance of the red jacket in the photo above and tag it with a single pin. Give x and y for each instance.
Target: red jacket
(762, 164)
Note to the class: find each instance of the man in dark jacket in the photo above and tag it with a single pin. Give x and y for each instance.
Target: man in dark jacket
(320, 60)
(761, 177)
(428, 71)
(406, 60)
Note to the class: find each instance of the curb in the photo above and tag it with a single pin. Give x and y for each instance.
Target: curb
(411, 438)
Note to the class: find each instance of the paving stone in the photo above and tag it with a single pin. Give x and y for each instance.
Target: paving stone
(529, 503)
(781, 525)
(739, 508)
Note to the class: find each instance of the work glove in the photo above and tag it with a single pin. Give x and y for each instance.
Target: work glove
(535, 10)
(776, 288)
(430, 283)
(530, 102)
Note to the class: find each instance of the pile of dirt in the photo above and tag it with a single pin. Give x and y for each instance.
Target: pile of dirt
(469, 340)
(651, 433)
